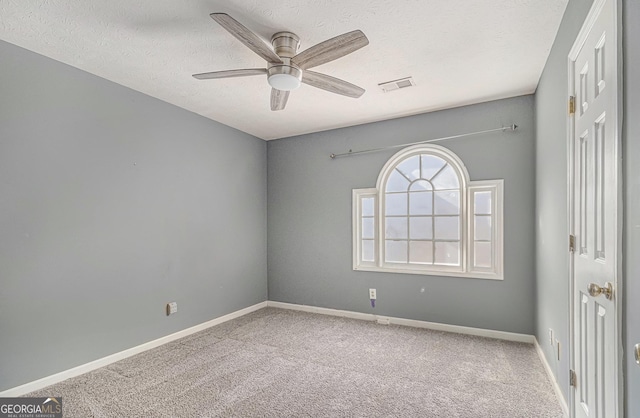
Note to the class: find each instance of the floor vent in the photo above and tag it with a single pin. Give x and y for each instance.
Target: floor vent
(401, 83)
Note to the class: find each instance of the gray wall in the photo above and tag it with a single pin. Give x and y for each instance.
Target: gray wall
(309, 218)
(113, 203)
(552, 262)
(631, 155)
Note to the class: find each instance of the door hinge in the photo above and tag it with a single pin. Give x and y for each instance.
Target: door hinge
(572, 105)
(573, 379)
(572, 243)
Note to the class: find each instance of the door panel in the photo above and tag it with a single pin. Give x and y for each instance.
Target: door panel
(595, 219)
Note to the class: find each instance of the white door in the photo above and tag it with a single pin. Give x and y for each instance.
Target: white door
(595, 260)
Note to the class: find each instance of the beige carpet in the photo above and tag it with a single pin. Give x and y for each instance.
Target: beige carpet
(280, 363)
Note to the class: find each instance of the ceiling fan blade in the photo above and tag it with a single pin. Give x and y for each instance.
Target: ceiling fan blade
(279, 99)
(244, 35)
(230, 73)
(332, 84)
(331, 49)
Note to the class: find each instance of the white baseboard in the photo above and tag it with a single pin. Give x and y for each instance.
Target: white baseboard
(96, 364)
(552, 378)
(500, 335)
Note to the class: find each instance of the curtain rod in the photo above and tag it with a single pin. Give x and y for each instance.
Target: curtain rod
(503, 129)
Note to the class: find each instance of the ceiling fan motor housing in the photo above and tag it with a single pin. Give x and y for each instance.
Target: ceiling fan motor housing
(284, 76)
(285, 44)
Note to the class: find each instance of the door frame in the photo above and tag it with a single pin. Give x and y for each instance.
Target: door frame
(589, 21)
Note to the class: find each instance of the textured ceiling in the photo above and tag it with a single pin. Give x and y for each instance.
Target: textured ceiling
(458, 52)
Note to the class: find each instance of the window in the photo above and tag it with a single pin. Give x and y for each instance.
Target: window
(426, 217)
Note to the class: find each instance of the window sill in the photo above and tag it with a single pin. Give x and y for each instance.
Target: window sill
(460, 274)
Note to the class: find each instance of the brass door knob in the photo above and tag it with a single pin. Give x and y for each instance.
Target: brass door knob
(595, 290)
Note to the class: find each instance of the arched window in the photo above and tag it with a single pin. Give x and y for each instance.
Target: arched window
(426, 217)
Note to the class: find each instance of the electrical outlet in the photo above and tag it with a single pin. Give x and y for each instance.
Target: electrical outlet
(372, 294)
(172, 307)
(550, 337)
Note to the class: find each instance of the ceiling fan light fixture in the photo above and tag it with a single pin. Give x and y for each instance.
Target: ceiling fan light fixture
(284, 77)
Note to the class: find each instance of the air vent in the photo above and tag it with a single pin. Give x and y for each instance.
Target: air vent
(401, 83)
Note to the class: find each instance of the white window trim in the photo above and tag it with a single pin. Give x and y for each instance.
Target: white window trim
(358, 195)
(465, 270)
(497, 188)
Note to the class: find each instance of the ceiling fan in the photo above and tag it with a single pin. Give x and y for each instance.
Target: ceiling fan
(286, 68)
